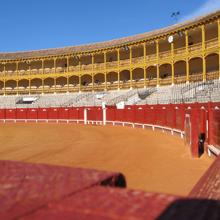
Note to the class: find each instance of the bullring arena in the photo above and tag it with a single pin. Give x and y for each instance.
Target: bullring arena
(124, 129)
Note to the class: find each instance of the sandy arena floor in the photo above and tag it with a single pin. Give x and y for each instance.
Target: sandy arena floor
(151, 161)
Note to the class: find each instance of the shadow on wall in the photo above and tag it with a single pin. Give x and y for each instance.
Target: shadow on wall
(196, 209)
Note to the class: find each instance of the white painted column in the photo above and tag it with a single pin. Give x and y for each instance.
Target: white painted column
(85, 116)
(104, 113)
(104, 116)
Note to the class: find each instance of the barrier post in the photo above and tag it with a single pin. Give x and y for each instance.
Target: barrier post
(210, 124)
(104, 116)
(85, 116)
(194, 131)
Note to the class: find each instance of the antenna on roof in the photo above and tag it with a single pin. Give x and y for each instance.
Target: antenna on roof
(175, 15)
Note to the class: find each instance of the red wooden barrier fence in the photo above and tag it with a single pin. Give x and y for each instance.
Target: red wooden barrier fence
(32, 113)
(171, 115)
(110, 113)
(53, 113)
(2, 113)
(43, 113)
(10, 113)
(214, 124)
(63, 113)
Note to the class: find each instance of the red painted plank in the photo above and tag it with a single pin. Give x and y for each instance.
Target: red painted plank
(10, 113)
(107, 204)
(21, 113)
(32, 113)
(26, 187)
(209, 184)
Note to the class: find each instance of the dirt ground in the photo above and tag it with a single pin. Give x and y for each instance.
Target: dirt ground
(151, 161)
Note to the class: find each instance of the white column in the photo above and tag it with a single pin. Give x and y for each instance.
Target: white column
(85, 116)
(104, 116)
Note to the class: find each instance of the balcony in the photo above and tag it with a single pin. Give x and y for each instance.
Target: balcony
(86, 88)
(126, 84)
(137, 60)
(165, 54)
(195, 77)
(151, 82)
(180, 79)
(212, 75)
(115, 65)
(213, 43)
(151, 57)
(195, 48)
(138, 83)
(166, 81)
(112, 85)
(99, 87)
(179, 51)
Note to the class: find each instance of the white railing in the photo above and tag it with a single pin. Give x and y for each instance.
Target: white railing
(213, 150)
(91, 122)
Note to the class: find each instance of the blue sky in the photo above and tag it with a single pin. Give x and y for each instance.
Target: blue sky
(40, 24)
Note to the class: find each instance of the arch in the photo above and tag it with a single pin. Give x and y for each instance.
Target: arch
(61, 64)
(11, 84)
(181, 60)
(61, 81)
(10, 67)
(212, 62)
(180, 68)
(49, 64)
(36, 83)
(167, 62)
(112, 77)
(36, 65)
(211, 30)
(23, 66)
(74, 80)
(23, 83)
(151, 72)
(86, 79)
(195, 66)
(138, 74)
(99, 78)
(165, 70)
(124, 75)
(49, 82)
